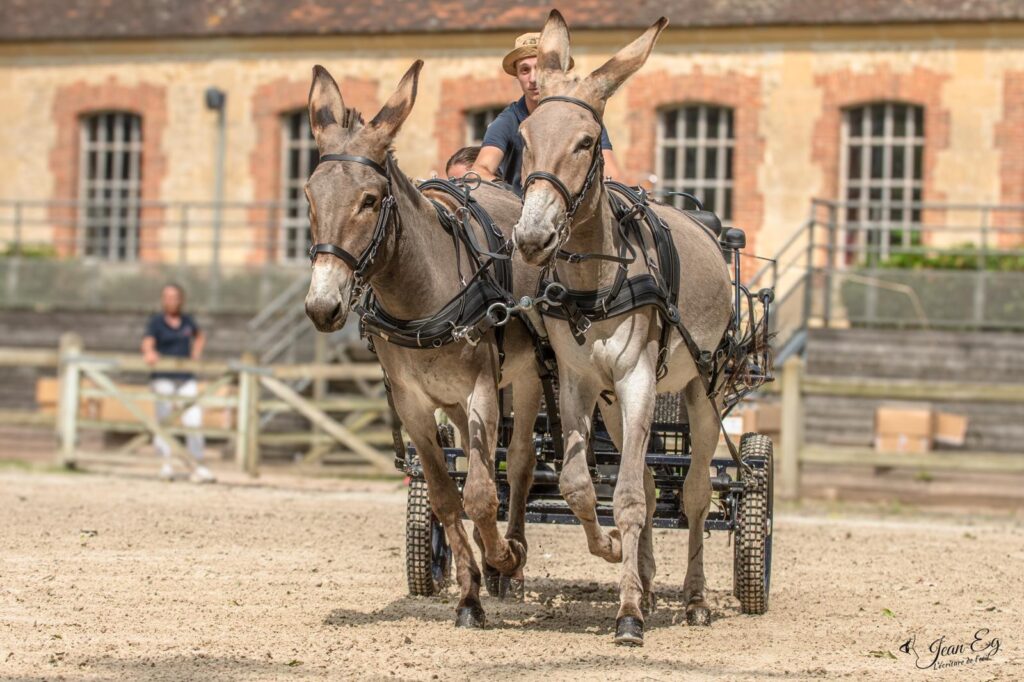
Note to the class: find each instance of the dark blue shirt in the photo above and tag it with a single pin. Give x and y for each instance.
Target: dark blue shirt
(503, 133)
(175, 342)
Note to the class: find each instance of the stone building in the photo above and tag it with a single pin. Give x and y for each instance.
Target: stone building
(108, 147)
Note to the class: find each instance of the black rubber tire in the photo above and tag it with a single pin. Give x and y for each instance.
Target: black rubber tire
(752, 547)
(428, 557)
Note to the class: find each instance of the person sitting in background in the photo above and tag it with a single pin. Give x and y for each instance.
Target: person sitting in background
(171, 333)
(461, 162)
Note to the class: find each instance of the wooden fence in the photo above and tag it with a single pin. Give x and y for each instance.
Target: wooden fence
(261, 389)
(793, 452)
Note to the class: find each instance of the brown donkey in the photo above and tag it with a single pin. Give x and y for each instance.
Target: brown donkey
(618, 354)
(414, 270)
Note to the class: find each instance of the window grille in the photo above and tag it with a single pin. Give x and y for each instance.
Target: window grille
(695, 155)
(110, 185)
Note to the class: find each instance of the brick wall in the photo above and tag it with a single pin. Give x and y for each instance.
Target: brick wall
(1010, 141)
(459, 95)
(649, 92)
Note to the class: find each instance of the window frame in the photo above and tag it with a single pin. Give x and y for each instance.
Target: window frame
(870, 230)
(299, 222)
(722, 186)
(489, 112)
(125, 193)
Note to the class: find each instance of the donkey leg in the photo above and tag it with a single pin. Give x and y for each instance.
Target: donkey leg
(522, 460)
(697, 497)
(636, 393)
(612, 415)
(491, 575)
(576, 403)
(479, 495)
(446, 505)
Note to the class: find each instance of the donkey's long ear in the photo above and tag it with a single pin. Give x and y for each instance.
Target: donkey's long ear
(326, 107)
(391, 117)
(605, 80)
(553, 48)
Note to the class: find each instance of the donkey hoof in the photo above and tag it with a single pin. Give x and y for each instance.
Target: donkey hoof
(512, 588)
(629, 631)
(518, 550)
(698, 614)
(470, 617)
(492, 581)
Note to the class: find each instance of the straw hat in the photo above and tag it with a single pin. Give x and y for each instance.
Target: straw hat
(526, 46)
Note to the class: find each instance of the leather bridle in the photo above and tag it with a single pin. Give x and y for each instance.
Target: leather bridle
(360, 264)
(572, 201)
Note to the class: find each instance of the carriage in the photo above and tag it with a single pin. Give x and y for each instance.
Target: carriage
(741, 479)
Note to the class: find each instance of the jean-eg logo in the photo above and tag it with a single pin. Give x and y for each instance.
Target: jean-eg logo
(942, 653)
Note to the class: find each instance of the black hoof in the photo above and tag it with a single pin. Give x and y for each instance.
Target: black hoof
(511, 588)
(698, 615)
(629, 631)
(470, 617)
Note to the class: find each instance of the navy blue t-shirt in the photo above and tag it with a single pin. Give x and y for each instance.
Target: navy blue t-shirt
(175, 342)
(503, 133)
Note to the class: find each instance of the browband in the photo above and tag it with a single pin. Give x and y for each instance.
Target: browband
(358, 159)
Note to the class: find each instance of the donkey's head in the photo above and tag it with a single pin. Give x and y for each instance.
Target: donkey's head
(348, 191)
(562, 139)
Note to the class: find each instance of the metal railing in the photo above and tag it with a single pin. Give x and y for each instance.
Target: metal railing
(230, 256)
(852, 264)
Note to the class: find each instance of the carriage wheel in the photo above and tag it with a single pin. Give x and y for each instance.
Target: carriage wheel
(428, 557)
(752, 559)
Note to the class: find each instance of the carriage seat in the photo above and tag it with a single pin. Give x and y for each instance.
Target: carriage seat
(708, 220)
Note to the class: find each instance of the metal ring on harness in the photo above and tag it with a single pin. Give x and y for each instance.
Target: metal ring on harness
(471, 180)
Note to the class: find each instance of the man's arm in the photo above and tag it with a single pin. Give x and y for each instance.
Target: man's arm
(611, 166)
(198, 344)
(487, 162)
(149, 353)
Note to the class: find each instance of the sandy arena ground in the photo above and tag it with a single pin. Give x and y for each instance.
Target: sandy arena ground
(120, 578)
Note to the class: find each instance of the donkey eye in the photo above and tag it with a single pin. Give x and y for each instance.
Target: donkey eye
(368, 202)
(585, 143)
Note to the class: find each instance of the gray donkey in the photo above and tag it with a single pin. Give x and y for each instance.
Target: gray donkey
(415, 269)
(565, 211)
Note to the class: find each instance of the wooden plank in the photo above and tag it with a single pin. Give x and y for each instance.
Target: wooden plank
(956, 461)
(28, 357)
(104, 382)
(136, 427)
(141, 393)
(338, 404)
(248, 419)
(319, 418)
(26, 418)
(913, 389)
(69, 375)
(363, 370)
(175, 415)
(792, 429)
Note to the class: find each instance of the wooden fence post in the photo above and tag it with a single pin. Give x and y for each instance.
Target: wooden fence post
(69, 375)
(247, 444)
(792, 428)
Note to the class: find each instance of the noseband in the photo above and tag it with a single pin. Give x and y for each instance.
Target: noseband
(572, 202)
(362, 263)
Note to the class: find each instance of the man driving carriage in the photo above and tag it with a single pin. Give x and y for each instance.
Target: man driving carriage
(501, 154)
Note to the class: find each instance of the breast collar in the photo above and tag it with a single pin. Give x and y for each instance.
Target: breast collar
(361, 264)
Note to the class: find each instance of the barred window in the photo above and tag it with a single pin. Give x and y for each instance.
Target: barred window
(695, 155)
(882, 174)
(110, 185)
(299, 158)
(477, 121)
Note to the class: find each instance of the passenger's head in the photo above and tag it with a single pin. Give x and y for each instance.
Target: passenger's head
(172, 298)
(461, 162)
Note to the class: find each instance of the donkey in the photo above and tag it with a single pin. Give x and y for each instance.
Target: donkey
(413, 269)
(619, 354)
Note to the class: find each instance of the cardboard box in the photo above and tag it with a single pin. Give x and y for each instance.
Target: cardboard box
(905, 421)
(902, 443)
(48, 395)
(950, 429)
(763, 418)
